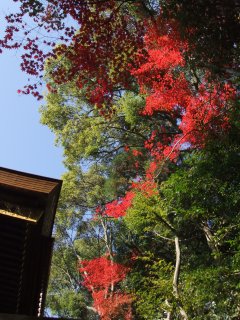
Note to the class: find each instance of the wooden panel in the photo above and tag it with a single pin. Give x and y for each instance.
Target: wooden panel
(19, 180)
(12, 236)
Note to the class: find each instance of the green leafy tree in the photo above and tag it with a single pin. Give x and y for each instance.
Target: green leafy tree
(181, 237)
(198, 203)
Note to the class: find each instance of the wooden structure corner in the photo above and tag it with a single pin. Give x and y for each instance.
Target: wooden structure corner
(27, 209)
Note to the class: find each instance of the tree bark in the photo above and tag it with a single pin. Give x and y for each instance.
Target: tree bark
(176, 278)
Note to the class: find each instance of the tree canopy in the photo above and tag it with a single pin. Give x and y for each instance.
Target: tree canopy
(144, 98)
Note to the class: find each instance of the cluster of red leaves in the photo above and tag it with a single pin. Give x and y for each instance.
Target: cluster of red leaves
(206, 114)
(196, 114)
(151, 170)
(155, 71)
(116, 306)
(147, 188)
(101, 273)
(98, 54)
(118, 208)
(20, 34)
(191, 115)
(100, 277)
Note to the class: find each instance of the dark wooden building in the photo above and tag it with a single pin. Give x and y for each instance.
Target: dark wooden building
(27, 209)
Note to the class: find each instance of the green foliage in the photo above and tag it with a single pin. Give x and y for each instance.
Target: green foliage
(200, 203)
(113, 122)
(69, 304)
(203, 199)
(131, 105)
(205, 188)
(145, 214)
(197, 200)
(151, 284)
(82, 131)
(206, 293)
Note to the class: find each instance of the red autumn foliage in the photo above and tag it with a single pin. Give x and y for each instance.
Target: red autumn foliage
(101, 275)
(196, 114)
(114, 306)
(147, 188)
(99, 56)
(98, 53)
(135, 152)
(118, 208)
(99, 60)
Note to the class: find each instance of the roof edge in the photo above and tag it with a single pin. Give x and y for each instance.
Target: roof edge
(31, 175)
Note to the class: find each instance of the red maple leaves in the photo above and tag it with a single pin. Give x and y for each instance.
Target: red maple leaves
(118, 208)
(193, 114)
(101, 275)
(97, 55)
(197, 113)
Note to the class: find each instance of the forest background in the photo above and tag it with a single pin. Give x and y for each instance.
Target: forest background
(143, 97)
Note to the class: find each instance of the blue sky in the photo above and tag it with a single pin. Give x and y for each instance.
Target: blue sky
(25, 144)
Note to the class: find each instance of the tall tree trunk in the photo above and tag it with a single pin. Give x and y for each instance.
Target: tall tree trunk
(176, 278)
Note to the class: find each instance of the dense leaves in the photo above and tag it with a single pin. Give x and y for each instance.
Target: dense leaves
(98, 56)
(100, 276)
(167, 159)
(211, 28)
(143, 97)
